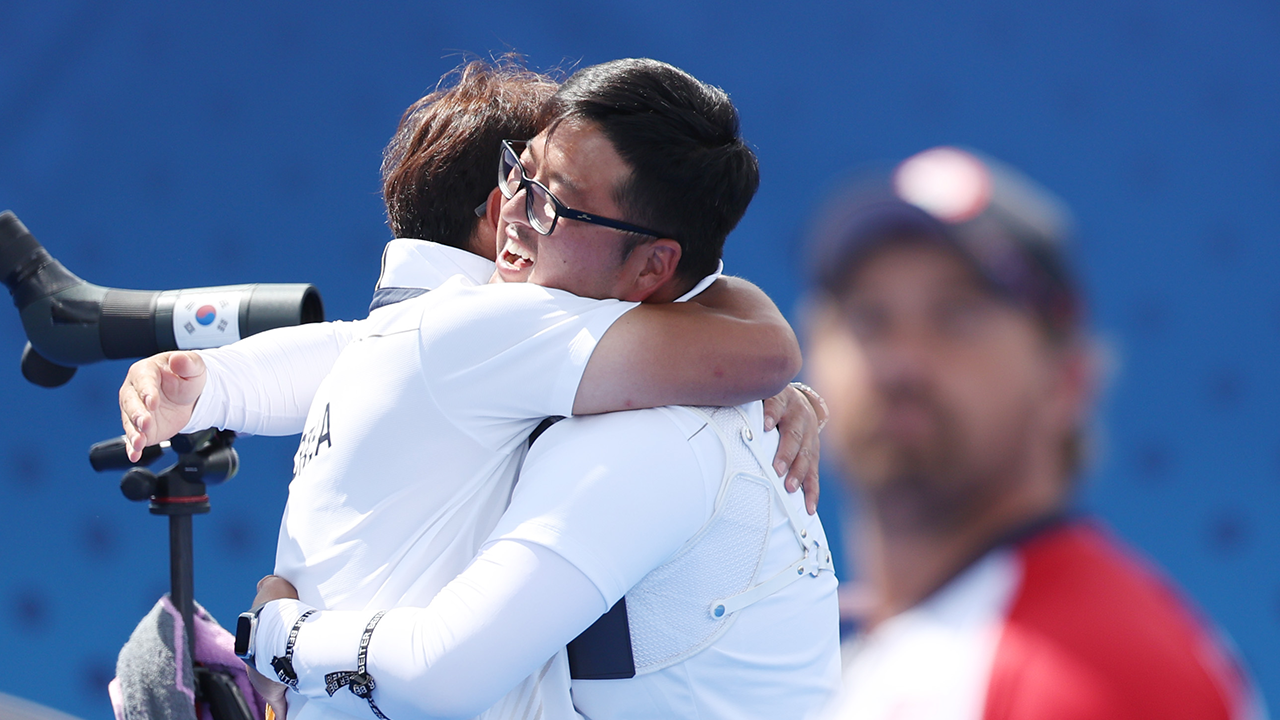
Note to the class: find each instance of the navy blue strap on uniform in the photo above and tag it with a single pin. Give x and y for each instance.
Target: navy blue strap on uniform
(603, 651)
(393, 295)
(542, 427)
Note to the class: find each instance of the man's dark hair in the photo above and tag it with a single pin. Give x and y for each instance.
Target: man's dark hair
(692, 176)
(443, 160)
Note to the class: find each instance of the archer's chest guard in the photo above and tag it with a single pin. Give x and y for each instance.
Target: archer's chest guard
(683, 606)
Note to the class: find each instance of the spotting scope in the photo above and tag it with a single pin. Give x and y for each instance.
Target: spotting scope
(70, 322)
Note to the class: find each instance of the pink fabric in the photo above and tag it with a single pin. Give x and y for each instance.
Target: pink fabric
(214, 649)
(117, 699)
(179, 648)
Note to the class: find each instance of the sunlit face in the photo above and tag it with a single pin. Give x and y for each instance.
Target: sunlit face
(935, 385)
(580, 166)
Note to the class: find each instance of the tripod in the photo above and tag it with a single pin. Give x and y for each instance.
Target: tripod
(205, 457)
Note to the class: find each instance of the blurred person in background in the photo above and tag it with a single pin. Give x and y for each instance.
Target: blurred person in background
(948, 336)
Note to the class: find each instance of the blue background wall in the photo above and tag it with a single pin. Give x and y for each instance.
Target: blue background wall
(158, 145)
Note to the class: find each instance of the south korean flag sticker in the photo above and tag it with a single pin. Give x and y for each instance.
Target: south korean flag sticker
(205, 320)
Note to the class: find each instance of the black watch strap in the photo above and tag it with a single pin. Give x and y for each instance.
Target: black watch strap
(284, 665)
(359, 680)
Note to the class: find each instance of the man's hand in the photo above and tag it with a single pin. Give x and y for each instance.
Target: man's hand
(797, 458)
(270, 690)
(274, 587)
(271, 587)
(158, 396)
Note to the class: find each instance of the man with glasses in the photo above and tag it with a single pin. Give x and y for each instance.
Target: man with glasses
(595, 260)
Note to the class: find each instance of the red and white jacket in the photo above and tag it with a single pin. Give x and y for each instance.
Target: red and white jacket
(1064, 624)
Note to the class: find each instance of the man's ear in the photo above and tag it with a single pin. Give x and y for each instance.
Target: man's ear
(653, 267)
(484, 239)
(1079, 376)
(493, 206)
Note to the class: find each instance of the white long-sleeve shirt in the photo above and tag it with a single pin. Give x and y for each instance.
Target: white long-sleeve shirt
(412, 439)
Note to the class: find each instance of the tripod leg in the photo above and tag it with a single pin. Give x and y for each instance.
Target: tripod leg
(181, 573)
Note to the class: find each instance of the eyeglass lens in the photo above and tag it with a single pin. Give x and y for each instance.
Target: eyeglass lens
(539, 207)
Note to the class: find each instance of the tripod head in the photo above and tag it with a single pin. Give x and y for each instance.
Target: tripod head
(177, 491)
(204, 458)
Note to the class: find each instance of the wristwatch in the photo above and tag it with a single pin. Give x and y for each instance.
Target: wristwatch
(246, 633)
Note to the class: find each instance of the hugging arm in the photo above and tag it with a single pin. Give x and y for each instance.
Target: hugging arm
(512, 610)
(261, 385)
(727, 346)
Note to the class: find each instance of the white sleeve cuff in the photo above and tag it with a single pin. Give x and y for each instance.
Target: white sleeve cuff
(211, 407)
(274, 623)
(327, 642)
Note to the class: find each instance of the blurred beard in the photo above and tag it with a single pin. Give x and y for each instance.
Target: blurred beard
(893, 458)
(928, 482)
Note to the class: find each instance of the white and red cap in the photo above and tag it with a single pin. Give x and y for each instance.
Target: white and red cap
(1010, 228)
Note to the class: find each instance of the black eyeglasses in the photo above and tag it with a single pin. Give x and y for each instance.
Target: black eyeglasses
(541, 207)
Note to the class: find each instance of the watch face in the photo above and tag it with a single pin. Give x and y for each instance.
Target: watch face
(244, 635)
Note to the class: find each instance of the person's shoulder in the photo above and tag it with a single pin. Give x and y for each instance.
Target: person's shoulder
(411, 263)
(1093, 615)
(514, 303)
(481, 312)
(1083, 563)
